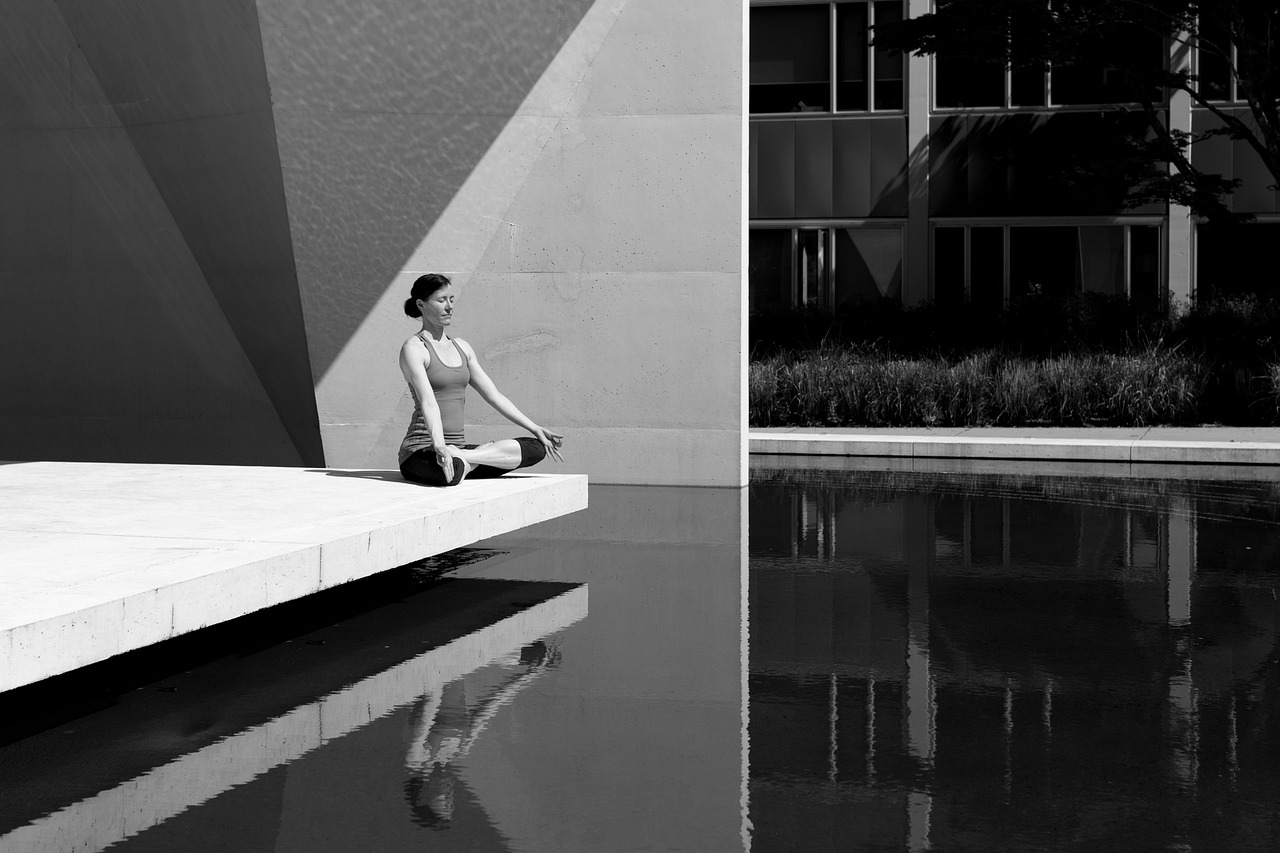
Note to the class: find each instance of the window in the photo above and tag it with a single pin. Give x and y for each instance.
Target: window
(827, 267)
(796, 65)
(1215, 57)
(989, 265)
(1236, 261)
(964, 82)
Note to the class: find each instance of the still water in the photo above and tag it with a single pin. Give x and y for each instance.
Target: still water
(890, 661)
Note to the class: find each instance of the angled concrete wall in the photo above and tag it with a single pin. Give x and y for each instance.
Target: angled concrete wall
(573, 165)
(212, 211)
(151, 304)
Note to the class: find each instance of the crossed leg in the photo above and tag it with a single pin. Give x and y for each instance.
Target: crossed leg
(491, 459)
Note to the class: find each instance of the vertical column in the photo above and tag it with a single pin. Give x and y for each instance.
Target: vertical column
(919, 549)
(915, 282)
(1180, 561)
(918, 530)
(1181, 533)
(1178, 243)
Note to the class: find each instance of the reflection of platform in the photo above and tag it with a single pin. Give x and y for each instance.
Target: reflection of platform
(185, 781)
(99, 559)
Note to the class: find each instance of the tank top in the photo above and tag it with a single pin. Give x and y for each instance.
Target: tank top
(449, 385)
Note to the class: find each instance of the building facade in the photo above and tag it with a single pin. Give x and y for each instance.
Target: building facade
(875, 175)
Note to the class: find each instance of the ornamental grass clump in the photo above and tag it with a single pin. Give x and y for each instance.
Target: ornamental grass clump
(836, 386)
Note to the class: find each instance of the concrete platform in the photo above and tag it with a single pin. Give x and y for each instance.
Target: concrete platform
(97, 559)
(1143, 445)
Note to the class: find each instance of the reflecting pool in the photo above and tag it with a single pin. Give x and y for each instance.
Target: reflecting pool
(987, 662)
(892, 660)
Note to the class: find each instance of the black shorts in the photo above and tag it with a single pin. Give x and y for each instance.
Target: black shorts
(423, 467)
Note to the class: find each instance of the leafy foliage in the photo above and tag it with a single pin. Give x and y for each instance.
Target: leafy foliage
(1037, 34)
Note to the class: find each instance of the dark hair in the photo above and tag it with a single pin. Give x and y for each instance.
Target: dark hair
(423, 287)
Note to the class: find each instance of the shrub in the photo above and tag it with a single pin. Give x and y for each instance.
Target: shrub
(850, 386)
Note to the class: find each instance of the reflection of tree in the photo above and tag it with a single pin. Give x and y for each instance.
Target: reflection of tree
(445, 726)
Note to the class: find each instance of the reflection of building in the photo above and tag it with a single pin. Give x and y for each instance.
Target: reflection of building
(875, 176)
(918, 655)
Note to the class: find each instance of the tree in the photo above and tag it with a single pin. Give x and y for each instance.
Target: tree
(1062, 34)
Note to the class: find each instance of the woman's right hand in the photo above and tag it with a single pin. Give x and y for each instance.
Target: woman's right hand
(445, 457)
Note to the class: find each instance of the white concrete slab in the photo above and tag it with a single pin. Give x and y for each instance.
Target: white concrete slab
(97, 559)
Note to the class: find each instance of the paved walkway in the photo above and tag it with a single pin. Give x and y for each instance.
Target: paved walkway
(1143, 445)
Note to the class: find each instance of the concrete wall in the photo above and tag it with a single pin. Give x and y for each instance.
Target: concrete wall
(150, 310)
(240, 194)
(575, 166)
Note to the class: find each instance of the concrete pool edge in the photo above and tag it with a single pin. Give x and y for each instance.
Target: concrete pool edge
(1154, 445)
(102, 558)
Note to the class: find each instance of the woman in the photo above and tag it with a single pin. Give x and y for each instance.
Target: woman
(438, 369)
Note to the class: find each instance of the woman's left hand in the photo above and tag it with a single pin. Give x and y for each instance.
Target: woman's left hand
(551, 442)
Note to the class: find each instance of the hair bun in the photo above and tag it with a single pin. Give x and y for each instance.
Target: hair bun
(411, 308)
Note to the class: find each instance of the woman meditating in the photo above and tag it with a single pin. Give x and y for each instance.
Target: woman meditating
(438, 369)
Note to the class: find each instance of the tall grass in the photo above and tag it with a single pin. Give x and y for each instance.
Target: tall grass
(850, 386)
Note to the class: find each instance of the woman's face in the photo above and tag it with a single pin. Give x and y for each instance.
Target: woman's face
(437, 309)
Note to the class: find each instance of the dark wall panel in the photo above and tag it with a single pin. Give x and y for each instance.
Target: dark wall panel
(189, 84)
(888, 167)
(1214, 153)
(851, 169)
(753, 171)
(1039, 164)
(813, 169)
(112, 346)
(948, 156)
(987, 171)
(1254, 195)
(777, 170)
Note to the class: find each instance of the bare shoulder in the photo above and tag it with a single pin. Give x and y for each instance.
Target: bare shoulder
(465, 347)
(413, 348)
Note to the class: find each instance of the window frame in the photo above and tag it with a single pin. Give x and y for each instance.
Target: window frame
(827, 246)
(833, 61)
(1008, 223)
(1007, 105)
(1233, 89)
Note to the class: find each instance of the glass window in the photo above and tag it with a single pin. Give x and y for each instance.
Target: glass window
(1236, 261)
(948, 266)
(890, 64)
(1144, 263)
(986, 267)
(1043, 261)
(852, 56)
(1213, 61)
(791, 61)
(1027, 88)
(962, 83)
(966, 82)
(790, 69)
(1100, 263)
(811, 268)
(768, 268)
(868, 266)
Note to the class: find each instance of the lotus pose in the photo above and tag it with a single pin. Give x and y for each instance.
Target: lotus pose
(438, 369)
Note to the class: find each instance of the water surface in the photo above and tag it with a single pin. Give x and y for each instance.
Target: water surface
(890, 661)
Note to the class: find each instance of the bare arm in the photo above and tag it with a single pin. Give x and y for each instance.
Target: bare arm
(414, 358)
(489, 392)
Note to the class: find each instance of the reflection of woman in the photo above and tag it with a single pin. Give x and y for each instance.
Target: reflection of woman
(438, 369)
(444, 729)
